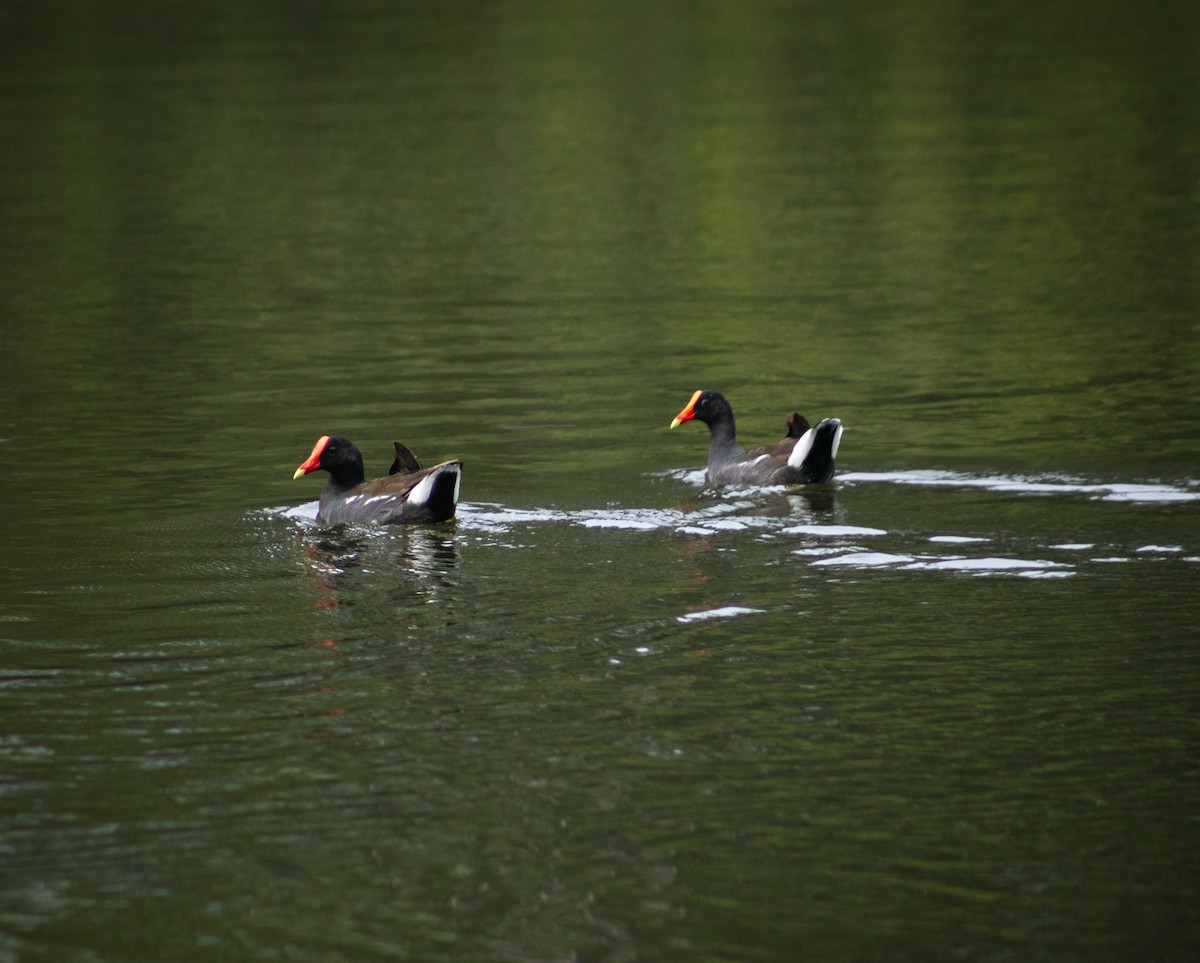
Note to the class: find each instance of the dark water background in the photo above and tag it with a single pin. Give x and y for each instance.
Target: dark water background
(944, 708)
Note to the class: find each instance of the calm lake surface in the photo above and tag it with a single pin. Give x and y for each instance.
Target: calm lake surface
(945, 707)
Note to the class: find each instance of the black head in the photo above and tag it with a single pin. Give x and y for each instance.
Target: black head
(338, 456)
(705, 406)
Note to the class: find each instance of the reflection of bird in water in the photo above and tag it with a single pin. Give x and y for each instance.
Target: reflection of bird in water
(346, 565)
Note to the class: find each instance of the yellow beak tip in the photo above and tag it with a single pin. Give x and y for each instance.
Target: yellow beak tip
(676, 423)
(299, 472)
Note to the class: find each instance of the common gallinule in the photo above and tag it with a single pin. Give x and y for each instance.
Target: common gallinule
(408, 494)
(804, 457)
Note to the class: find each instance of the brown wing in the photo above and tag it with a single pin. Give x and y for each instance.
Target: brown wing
(396, 498)
(398, 483)
(797, 425)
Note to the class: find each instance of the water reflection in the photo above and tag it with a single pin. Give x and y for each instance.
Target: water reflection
(420, 556)
(968, 228)
(419, 563)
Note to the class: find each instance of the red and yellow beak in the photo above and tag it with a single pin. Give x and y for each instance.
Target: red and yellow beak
(688, 412)
(314, 459)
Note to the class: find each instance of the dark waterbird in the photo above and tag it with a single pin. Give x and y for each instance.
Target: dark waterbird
(805, 456)
(408, 494)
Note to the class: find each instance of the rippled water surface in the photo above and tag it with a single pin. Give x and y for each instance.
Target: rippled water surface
(941, 708)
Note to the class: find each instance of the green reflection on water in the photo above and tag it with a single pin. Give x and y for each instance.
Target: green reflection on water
(523, 234)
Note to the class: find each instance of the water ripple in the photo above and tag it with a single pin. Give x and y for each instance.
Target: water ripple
(835, 546)
(1106, 491)
(1027, 568)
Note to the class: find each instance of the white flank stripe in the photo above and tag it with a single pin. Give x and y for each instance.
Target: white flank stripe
(422, 489)
(803, 447)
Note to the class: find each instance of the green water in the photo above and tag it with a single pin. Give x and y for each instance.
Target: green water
(944, 708)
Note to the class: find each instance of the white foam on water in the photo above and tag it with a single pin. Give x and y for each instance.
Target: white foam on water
(497, 518)
(630, 523)
(742, 511)
(306, 512)
(724, 612)
(867, 560)
(832, 531)
(1148, 493)
(1122, 492)
(990, 565)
